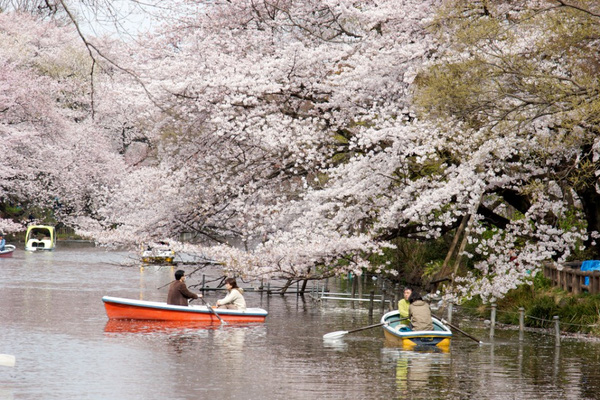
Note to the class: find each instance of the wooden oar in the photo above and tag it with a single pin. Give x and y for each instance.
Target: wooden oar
(458, 330)
(166, 284)
(7, 360)
(213, 311)
(337, 334)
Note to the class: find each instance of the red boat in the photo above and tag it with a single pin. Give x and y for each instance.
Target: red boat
(120, 308)
(8, 251)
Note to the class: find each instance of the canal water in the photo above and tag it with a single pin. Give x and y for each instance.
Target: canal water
(53, 322)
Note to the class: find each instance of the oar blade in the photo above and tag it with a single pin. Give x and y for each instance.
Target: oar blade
(7, 360)
(335, 335)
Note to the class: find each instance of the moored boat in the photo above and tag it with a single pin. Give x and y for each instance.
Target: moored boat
(397, 333)
(8, 251)
(40, 237)
(121, 308)
(160, 254)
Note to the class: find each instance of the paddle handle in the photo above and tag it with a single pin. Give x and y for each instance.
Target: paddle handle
(461, 331)
(367, 327)
(374, 326)
(213, 311)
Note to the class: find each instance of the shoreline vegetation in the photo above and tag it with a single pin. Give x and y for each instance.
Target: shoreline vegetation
(578, 314)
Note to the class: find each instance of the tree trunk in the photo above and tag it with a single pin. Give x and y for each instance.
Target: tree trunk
(590, 200)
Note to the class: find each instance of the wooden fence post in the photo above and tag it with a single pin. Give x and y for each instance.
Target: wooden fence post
(557, 330)
(521, 322)
(493, 321)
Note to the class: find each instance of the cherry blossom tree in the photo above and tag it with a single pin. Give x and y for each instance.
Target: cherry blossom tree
(518, 79)
(299, 139)
(261, 106)
(54, 155)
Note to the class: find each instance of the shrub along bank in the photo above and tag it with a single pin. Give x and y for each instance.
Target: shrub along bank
(541, 302)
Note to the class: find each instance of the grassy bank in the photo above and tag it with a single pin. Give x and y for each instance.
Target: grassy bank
(541, 302)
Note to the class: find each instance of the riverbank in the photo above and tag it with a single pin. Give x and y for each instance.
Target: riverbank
(578, 314)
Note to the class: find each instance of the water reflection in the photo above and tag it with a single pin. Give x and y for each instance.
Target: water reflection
(338, 344)
(54, 322)
(174, 327)
(145, 327)
(414, 368)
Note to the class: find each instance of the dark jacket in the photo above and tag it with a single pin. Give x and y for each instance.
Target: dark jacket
(420, 316)
(179, 294)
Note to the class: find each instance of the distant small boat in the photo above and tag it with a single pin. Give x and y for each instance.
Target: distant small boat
(395, 332)
(40, 237)
(121, 308)
(8, 251)
(158, 255)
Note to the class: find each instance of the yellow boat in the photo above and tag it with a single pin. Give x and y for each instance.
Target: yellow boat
(400, 334)
(160, 254)
(40, 237)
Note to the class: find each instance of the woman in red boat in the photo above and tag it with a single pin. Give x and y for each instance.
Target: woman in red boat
(234, 299)
(179, 294)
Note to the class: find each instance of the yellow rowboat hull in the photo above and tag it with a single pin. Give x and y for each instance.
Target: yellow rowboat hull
(396, 333)
(412, 342)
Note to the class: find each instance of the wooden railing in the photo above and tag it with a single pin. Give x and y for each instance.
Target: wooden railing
(572, 279)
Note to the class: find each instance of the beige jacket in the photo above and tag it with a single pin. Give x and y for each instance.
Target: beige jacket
(420, 316)
(234, 297)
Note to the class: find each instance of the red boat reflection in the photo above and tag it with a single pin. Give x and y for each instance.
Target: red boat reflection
(150, 326)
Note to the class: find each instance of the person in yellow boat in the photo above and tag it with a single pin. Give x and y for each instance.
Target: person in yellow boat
(403, 306)
(420, 313)
(179, 294)
(234, 299)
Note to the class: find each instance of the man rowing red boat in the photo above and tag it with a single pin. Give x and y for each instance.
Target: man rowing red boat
(179, 294)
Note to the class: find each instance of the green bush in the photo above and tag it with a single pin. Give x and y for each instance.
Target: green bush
(541, 312)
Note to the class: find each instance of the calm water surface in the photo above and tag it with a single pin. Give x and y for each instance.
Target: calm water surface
(53, 321)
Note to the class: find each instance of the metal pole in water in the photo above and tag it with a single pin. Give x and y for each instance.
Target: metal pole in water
(371, 298)
(521, 322)
(449, 318)
(557, 330)
(493, 318)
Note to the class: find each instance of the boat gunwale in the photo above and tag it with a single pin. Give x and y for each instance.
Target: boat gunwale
(446, 332)
(8, 248)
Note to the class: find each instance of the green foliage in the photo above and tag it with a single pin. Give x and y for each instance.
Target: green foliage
(453, 89)
(413, 259)
(541, 303)
(540, 282)
(10, 210)
(579, 313)
(541, 312)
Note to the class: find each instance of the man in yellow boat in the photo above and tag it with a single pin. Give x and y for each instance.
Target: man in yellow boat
(179, 294)
(420, 313)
